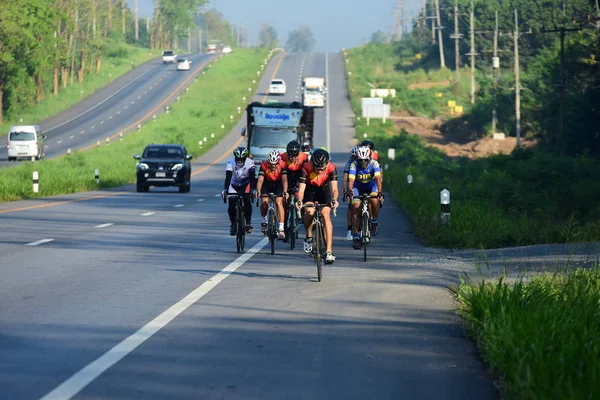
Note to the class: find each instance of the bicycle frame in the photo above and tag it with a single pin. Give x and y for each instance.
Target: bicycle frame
(318, 237)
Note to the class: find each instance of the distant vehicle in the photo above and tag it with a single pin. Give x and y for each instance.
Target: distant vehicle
(214, 47)
(271, 126)
(313, 92)
(183, 64)
(25, 141)
(164, 165)
(226, 49)
(169, 56)
(277, 87)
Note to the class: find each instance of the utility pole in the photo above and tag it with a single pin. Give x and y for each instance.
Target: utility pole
(440, 40)
(398, 19)
(563, 78)
(517, 81)
(495, 66)
(237, 32)
(137, 25)
(189, 39)
(472, 52)
(432, 21)
(456, 36)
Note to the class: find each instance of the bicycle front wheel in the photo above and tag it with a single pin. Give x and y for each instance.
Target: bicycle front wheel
(318, 243)
(271, 229)
(365, 235)
(291, 233)
(241, 229)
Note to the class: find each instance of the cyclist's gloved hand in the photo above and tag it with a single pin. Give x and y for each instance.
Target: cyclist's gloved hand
(381, 196)
(349, 196)
(298, 204)
(334, 203)
(223, 193)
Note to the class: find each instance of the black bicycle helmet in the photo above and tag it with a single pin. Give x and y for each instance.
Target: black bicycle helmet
(293, 148)
(240, 154)
(305, 148)
(368, 143)
(320, 158)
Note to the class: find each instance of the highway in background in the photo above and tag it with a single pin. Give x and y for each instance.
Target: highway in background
(117, 294)
(140, 93)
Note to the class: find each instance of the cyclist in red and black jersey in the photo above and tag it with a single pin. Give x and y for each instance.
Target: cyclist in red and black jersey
(272, 178)
(294, 160)
(319, 183)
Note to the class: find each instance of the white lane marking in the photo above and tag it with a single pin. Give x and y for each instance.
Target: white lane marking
(200, 200)
(217, 195)
(102, 102)
(178, 206)
(90, 372)
(101, 122)
(145, 92)
(93, 126)
(151, 87)
(139, 97)
(104, 225)
(82, 132)
(327, 102)
(147, 214)
(125, 108)
(71, 137)
(39, 242)
(110, 117)
(59, 142)
(118, 112)
(133, 102)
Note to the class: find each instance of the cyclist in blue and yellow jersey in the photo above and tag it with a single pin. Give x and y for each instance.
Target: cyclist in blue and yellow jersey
(345, 189)
(272, 178)
(365, 177)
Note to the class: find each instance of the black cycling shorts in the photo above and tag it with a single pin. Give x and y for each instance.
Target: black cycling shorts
(272, 187)
(318, 194)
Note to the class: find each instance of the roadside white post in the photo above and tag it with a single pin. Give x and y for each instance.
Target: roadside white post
(98, 143)
(212, 135)
(365, 134)
(68, 151)
(32, 158)
(120, 135)
(222, 126)
(36, 182)
(139, 127)
(392, 154)
(445, 206)
(409, 179)
(205, 139)
(107, 140)
(97, 175)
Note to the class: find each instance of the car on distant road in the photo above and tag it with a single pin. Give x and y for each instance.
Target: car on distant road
(163, 165)
(183, 64)
(169, 56)
(226, 49)
(25, 141)
(277, 87)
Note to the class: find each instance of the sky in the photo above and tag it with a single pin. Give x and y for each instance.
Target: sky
(336, 24)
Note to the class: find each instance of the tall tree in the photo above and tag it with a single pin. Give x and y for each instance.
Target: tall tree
(267, 37)
(302, 39)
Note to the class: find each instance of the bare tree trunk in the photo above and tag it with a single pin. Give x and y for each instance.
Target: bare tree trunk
(109, 16)
(98, 61)
(72, 71)
(94, 6)
(56, 61)
(82, 63)
(74, 41)
(39, 90)
(64, 76)
(123, 15)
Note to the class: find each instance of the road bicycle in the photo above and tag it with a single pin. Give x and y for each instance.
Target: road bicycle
(365, 221)
(272, 220)
(292, 222)
(240, 219)
(319, 249)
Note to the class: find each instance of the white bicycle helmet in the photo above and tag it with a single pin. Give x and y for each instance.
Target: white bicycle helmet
(354, 150)
(274, 157)
(363, 153)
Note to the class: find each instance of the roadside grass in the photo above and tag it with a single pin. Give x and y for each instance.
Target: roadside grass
(119, 58)
(201, 111)
(540, 335)
(528, 197)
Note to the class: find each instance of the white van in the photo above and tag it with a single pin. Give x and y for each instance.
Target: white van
(25, 141)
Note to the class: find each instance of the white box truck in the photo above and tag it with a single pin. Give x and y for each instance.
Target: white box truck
(313, 92)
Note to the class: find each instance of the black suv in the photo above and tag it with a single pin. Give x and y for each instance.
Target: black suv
(164, 165)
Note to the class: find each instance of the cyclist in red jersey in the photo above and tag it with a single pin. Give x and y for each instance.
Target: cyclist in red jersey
(319, 183)
(294, 160)
(272, 178)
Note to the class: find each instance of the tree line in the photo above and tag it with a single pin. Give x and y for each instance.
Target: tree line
(551, 80)
(48, 45)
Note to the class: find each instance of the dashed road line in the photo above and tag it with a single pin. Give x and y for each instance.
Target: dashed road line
(178, 205)
(59, 142)
(147, 214)
(71, 137)
(37, 243)
(82, 132)
(104, 225)
(200, 200)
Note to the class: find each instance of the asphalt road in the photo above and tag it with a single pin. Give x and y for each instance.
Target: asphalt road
(142, 295)
(128, 100)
